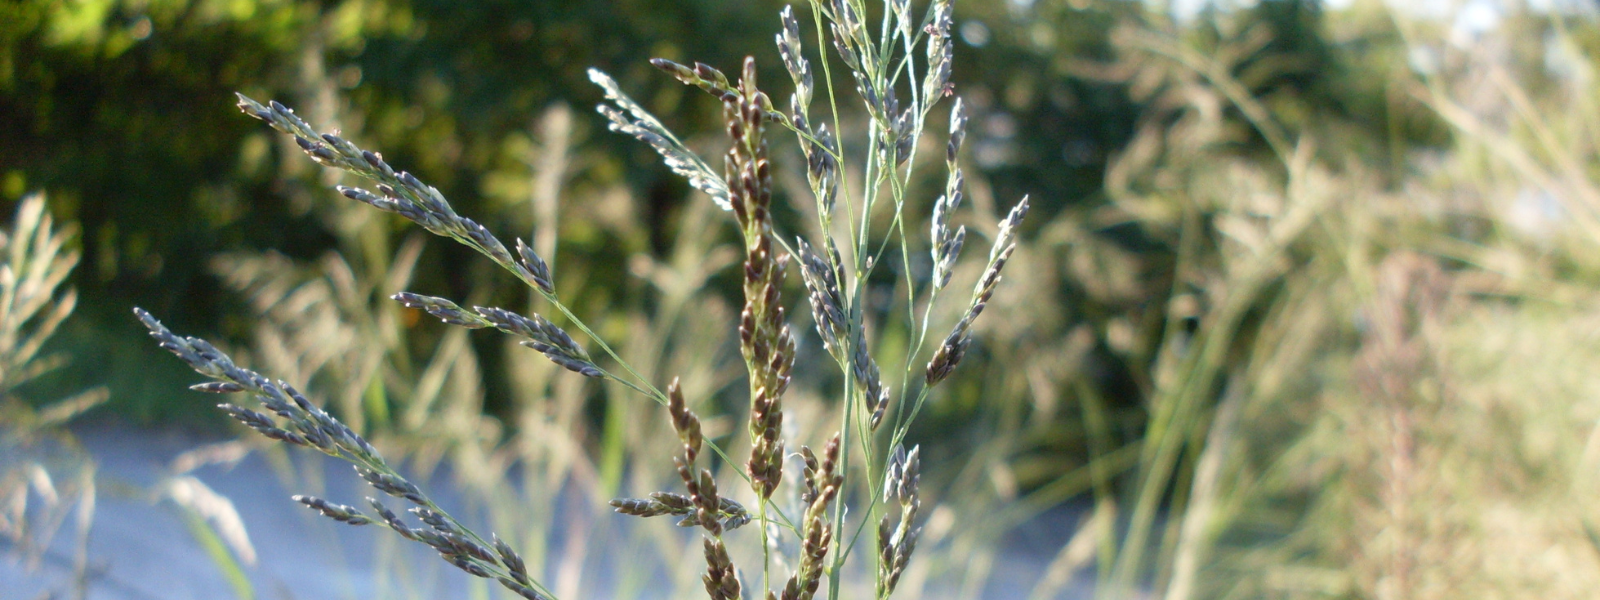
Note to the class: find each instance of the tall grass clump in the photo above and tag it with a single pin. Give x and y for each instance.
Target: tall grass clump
(1449, 447)
(1364, 374)
(46, 478)
(857, 493)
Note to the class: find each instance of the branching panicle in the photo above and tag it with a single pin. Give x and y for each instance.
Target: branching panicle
(315, 428)
(401, 192)
(765, 341)
(835, 292)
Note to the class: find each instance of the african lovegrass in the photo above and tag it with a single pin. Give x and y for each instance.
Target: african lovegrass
(884, 68)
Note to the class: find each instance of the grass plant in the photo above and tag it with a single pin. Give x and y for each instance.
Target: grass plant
(900, 69)
(1355, 374)
(1331, 412)
(46, 478)
(1451, 428)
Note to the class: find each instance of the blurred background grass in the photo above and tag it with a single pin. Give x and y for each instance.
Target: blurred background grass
(1309, 307)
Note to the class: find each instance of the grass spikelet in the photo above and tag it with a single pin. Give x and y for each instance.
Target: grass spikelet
(722, 583)
(337, 512)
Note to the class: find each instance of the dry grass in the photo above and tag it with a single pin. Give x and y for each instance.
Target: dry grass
(1408, 415)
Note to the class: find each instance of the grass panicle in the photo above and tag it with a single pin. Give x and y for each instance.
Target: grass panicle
(881, 477)
(835, 288)
(302, 423)
(1335, 372)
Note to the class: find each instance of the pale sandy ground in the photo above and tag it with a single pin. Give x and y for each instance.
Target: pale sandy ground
(142, 549)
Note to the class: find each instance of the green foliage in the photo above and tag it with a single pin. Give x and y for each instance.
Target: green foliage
(113, 106)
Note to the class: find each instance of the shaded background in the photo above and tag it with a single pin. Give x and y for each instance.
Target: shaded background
(1297, 274)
